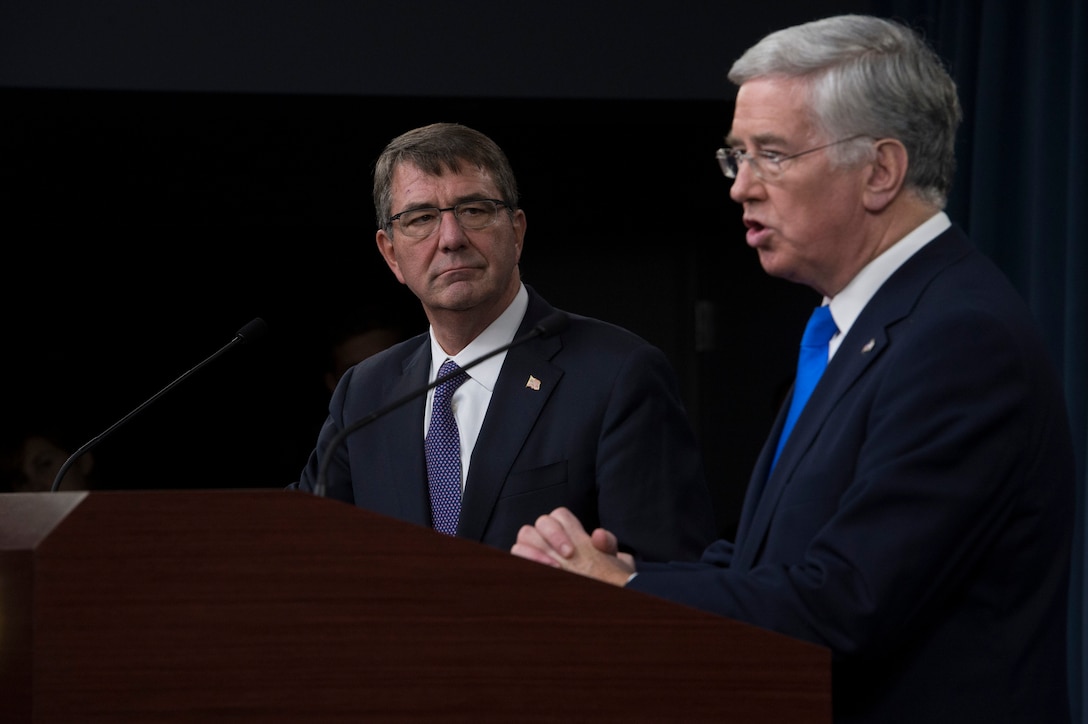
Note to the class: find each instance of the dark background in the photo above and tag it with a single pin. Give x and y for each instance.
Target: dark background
(172, 171)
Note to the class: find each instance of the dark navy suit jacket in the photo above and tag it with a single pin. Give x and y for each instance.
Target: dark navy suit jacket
(918, 522)
(605, 434)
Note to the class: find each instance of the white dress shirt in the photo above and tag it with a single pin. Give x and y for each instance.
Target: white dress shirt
(471, 399)
(847, 304)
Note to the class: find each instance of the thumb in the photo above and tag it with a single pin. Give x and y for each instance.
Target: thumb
(605, 541)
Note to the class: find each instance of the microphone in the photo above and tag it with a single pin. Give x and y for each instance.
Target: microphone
(551, 325)
(249, 333)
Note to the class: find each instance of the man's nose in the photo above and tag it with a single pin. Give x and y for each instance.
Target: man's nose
(450, 231)
(744, 182)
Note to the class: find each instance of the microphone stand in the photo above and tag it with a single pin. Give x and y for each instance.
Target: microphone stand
(552, 324)
(251, 331)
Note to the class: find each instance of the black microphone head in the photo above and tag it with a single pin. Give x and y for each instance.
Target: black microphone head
(553, 324)
(253, 331)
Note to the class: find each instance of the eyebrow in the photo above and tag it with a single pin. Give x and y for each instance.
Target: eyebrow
(761, 139)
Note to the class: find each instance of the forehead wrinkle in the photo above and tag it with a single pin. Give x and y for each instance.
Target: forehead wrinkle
(410, 180)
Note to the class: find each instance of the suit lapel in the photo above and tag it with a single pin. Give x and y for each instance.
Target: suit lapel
(867, 340)
(759, 482)
(524, 386)
(848, 364)
(842, 372)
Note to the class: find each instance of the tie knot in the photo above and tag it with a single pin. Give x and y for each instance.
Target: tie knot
(446, 389)
(820, 329)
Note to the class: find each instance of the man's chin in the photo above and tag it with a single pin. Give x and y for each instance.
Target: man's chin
(459, 295)
(770, 261)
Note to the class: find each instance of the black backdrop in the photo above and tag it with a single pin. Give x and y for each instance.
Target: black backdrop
(157, 224)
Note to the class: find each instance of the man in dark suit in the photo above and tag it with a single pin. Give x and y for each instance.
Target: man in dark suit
(589, 418)
(918, 520)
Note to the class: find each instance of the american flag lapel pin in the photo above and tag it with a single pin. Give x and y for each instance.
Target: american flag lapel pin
(533, 383)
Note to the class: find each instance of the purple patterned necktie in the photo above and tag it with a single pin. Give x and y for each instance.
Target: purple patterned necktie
(443, 448)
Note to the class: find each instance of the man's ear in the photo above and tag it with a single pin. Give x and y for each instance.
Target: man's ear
(519, 230)
(887, 171)
(385, 246)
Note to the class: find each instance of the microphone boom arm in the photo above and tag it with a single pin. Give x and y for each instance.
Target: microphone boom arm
(552, 324)
(252, 330)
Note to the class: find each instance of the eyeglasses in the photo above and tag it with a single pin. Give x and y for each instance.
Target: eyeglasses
(473, 215)
(766, 165)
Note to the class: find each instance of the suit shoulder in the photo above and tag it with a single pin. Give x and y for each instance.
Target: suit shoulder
(597, 331)
(391, 361)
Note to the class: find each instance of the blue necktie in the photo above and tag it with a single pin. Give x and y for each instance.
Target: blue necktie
(443, 449)
(810, 366)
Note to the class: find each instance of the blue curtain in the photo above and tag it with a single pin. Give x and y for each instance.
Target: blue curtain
(1021, 189)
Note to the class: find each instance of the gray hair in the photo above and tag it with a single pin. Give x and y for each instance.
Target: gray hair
(871, 77)
(437, 149)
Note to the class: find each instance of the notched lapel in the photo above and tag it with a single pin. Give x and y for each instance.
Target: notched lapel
(867, 341)
(858, 351)
(515, 407)
(861, 348)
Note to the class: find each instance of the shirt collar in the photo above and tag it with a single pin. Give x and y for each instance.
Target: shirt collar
(498, 334)
(847, 304)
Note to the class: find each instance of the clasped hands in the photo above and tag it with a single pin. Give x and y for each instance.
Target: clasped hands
(559, 540)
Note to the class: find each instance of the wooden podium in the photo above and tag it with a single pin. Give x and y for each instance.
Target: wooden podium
(276, 606)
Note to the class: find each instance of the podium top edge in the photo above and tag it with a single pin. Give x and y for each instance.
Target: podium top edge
(28, 518)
